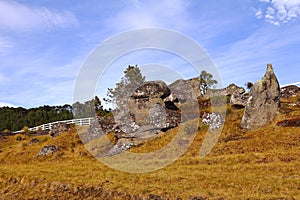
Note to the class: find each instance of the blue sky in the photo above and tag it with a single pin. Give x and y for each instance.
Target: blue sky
(43, 44)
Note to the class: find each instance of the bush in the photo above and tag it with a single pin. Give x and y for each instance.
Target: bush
(25, 129)
(6, 131)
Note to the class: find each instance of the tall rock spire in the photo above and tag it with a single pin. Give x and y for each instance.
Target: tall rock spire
(264, 101)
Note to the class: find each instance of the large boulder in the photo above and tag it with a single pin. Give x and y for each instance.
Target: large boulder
(184, 90)
(238, 100)
(154, 89)
(140, 112)
(263, 103)
(228, 91)
(147, 104)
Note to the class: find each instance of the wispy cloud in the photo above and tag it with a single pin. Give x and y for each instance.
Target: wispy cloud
(279, 12)
(17, 16)
(4, 45)
(137, 14)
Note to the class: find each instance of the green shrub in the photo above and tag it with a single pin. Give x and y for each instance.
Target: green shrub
(6, 131)
(25, 129)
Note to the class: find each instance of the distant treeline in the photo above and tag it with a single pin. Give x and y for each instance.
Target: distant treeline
(14, 119)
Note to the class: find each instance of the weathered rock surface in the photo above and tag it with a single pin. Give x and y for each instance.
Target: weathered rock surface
(239, 100)
(59, 128)
(98, 128)
(148, 109)
(48, 150)
(184, 90)
(145, 111)
(229, 90)
(263, 103)
(213, 120)
(154, 89)
(289, 91)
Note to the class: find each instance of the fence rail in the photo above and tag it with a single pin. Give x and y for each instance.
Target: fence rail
(48, 126)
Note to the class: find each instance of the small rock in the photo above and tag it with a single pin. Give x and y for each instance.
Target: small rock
(48, 150)
(33, 141)
(59, 128)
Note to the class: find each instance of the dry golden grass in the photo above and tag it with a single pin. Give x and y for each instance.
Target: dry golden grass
(262, 164)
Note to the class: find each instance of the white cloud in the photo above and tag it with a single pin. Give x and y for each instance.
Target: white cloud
(259, 14)
(279, 11)
(17, 16)
(3, 104)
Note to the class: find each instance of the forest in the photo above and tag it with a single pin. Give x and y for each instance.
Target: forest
(13, 119)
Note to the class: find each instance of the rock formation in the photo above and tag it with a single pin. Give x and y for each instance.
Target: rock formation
(59, 128)
(184, 90)
(263, 103)
(229, 90)
(147, 109)
(48, 150)
(239, 100)
(289, 91)
(141, 114)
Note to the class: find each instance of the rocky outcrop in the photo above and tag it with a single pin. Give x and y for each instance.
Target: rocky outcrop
(263, 103)
(289, 91)
(59, 128)
(239, 100)
(48, 150)
(147, 110)
(229, 90)
(184, 90)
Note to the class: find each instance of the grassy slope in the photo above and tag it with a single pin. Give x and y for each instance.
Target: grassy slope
(262, 164)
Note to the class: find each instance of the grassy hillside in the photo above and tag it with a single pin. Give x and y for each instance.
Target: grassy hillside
(261, 164)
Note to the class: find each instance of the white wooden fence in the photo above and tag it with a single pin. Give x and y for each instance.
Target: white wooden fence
(76, 122)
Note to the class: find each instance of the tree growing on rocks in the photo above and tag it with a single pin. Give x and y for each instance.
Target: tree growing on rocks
(132, 78)
(206, 81)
